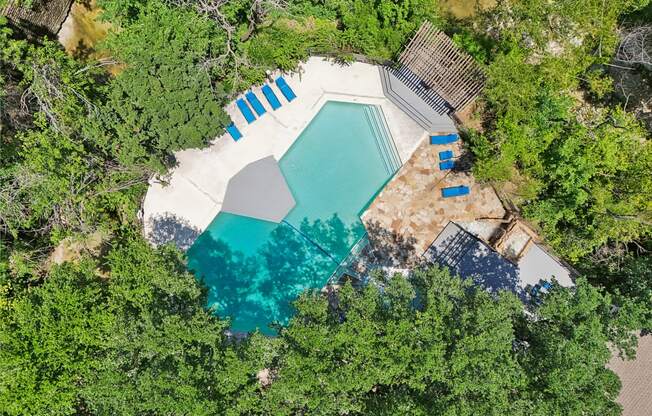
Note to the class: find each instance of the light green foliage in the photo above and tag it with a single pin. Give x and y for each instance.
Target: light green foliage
(478, 47)
(287, 42)
(599, 84)
(578, 167)
(378, 28)
(582, 24)
(57, 177)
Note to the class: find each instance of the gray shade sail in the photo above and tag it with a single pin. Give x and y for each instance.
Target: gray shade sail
(259, 191)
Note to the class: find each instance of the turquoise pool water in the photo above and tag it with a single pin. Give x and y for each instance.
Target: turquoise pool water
(254, 269)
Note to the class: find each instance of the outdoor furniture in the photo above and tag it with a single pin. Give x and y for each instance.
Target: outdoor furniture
(285, 89)
(444, 138)
(446, 165)
(454, 191)
(535, 290)
(245, 110)
(445, 155)
(234, 132)
(255, 103)
(272, 99)
(546, 285)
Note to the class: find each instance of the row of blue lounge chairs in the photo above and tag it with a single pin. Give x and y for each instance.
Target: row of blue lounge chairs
(446, 162)
(257, 106)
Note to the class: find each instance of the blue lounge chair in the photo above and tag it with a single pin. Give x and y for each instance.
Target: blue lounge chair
(234, 132)
(272, 99)
(285, 89)
(445, 155)
(455, 191)
(246, 112)
(546, 285)
(255, 103)
(446, 165)
(444, 138)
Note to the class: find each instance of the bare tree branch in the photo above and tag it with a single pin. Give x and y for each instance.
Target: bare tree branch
(636, 46)
(211, 9)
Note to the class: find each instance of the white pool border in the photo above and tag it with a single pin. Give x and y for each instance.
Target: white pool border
(193, 191)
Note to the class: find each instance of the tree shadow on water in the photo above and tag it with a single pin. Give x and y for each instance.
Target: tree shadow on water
(257, 290)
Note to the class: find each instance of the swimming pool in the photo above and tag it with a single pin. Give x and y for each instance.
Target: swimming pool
(254, 269)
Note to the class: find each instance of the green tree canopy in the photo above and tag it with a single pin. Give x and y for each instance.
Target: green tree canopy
(128, 336)
(163, 100)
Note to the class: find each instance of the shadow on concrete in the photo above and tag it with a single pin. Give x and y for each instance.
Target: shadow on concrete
(388, 248)
(470, 258)
(169, 228)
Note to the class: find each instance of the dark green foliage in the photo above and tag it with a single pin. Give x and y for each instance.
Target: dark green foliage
(461, 352)
(138, 322)
(130, 338)
(163, 100)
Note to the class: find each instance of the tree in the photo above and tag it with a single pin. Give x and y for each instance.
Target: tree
(164, 100)
(56, 176)
(136, 321)
(434, 344)
(569, 163)
(636, 46)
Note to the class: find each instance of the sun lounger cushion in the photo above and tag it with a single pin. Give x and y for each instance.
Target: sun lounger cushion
(234, 132)
(272, 99)
(255, 103)
(455, 191)
(285, 89)
(245, 110)
(446, 165)
(444, 139)
(445, 155)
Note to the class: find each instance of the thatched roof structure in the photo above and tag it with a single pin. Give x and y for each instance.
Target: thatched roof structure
(441, 66)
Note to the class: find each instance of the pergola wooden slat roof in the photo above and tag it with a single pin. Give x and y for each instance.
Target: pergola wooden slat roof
(443, 67)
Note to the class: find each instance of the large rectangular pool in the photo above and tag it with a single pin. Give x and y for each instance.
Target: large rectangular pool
(254, 269)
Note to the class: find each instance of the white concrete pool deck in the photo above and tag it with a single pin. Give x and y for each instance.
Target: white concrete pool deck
(197, 186)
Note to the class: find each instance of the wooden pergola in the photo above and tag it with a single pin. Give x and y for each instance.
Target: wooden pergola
(442, 67)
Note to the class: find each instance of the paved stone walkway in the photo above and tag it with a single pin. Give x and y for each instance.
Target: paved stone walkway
(411, 205)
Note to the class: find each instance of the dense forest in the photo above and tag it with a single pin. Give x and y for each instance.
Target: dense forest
(95, 321)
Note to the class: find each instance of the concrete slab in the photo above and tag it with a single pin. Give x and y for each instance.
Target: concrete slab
(471, 258)
(537, 264)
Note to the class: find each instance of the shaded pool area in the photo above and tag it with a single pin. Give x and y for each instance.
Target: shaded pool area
(254, 269)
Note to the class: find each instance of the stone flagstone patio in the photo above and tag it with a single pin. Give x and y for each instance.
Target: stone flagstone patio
(411, 205)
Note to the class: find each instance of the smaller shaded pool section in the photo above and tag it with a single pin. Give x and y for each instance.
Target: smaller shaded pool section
(254, 269)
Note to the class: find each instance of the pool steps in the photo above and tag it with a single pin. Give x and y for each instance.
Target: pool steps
(384, 140)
